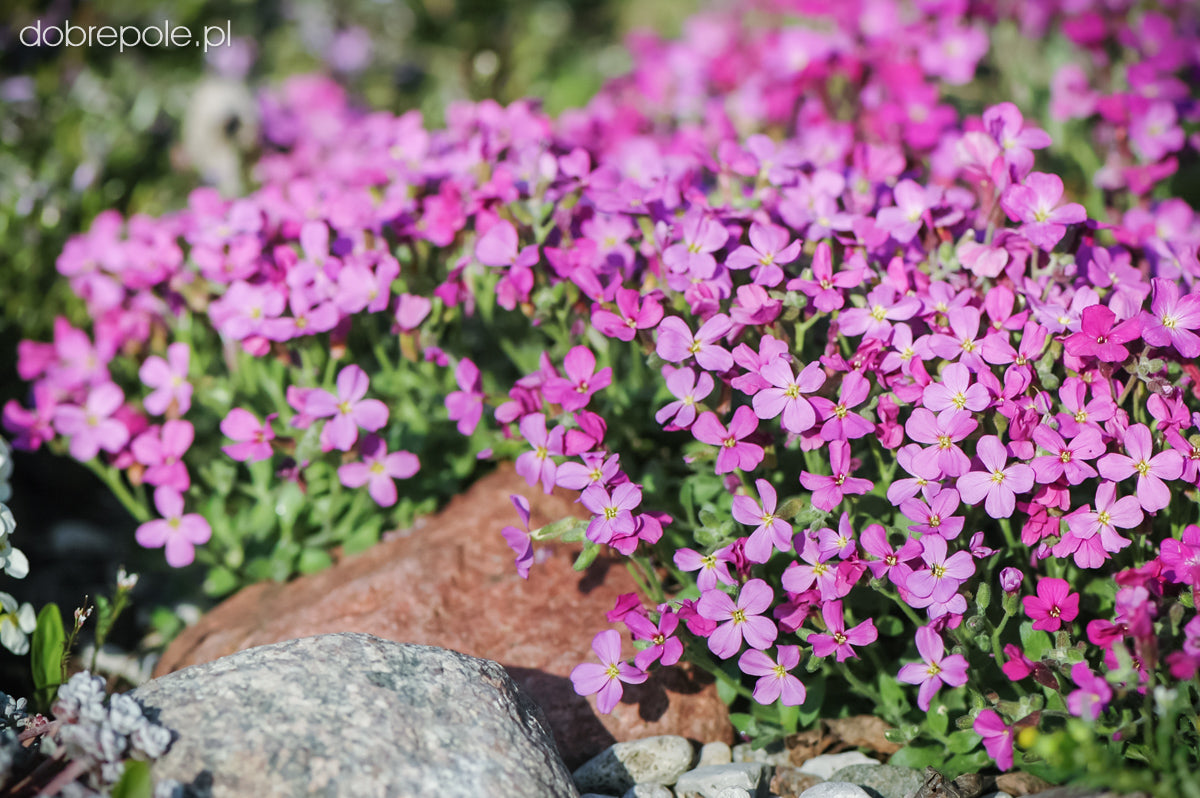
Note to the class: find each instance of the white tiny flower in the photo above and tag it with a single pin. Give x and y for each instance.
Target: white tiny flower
(8, 524)
(16, 626)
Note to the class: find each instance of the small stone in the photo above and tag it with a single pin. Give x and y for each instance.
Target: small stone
(789, 782)
(596, 795)
(655, 760)
(708, 782)
(835, 789)
(1000, 794)
(715, 754)
(1020, 783)
(646, 790)
(733, 792)
(889, 781)
(828, 764)
(773, 754)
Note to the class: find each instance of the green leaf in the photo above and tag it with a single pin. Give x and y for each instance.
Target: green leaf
(1034, 642)
(726, 692)
(894, 701)
(960, 742)
(937, 720)
(889, 626)
(587, 556)
(363, 537)
(569, 529)
(965, 763)
(135, 782)
(789, 719)
(810, 710)
(46, 654)
(220, 581)
(743, 723)
(709, 518)
(919, 757)
(313, 560)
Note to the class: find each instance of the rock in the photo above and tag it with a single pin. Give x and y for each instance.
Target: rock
(835, 789)
(734, 792)
(354, 715)
(648, 791)
(1000, 794)
(714, 754)
(472, 600)
(773, 754)
(1018, 783)
(789, 782)
(863, 731)
(708, 782)
(826, 765)
(882, 781)
(654, 760)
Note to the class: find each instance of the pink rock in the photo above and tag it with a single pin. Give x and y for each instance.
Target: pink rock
(450, 582)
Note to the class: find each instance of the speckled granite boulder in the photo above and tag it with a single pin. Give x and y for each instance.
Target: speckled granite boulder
(354, 715)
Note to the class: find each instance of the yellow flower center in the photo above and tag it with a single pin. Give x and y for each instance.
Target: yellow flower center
(739, 616)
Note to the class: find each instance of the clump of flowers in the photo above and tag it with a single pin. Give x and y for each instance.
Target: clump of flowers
(826, 357)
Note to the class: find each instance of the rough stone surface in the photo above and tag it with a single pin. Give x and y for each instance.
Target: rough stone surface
(648, 791)
(714, 754)
(354, 715)
(652, 760)
(835, 789)
(708, 782)
(789, 782)
(885, 781)
(828, 764)
(773, 754)
(472, 600)
(734, 792)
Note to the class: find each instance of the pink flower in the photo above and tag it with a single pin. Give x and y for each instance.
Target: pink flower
(997, 737)
(411, 310)
(612, 514)
(827, 491)
(839, 422)
(1053, 605)
(179, 533)
(771, 532)
(712, 568)
(1172, 317)
(825, 287)
(998, 484)
(1065, 460)
(1151, 468)
(378, 469)
(162, 450)
(630, 317)
(955, 391)
(1097, 337)
(702, 235)
(575, 390)
(1093, 694)
(784, 395)
(1036, 204)
(538, 464)
(935, 517)
(605, 679)
(518, 539)
(738, 620)
(664, 648)
(769, 247)
(168, 378)
(944, 431)
(687, 390)
(775, 682)
(943, 575)
(676, 342)
(92, 427)
(466, 404)
(735, 452)
(837, 638)
(253, 438)
(936, 669)
(349, 409)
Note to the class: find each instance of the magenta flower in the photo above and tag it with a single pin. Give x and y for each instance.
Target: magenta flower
(739, 620)
(955, 391)
(92, 427)
(664, 646)
(702, 235)
(1099, 338)
(943, 575)
(775, 682)
(1172, 317)
(904, 219)
(349, 409)
(253, 438)
(1093, 694)
(537, 464)
(943, 431)
(411, 310)
(634, 313)
(935, 517)
(168, 378)
(676, 342)
(837, 638)
(839, 423)
(771, 532)
(998, 484)
(825, 287)
(1065, 460)
(466, 404)
(769, 247)
(378, 470)
(1010, 579)
(519, 540)
(162, 450)
(827, 491)
(1053, 605)
(1151, 468)
(687, 390)
(889, 561)
(783, 397)
(884, 305)
(712, 568)
(179, 533)
(612, 514)
(1036, 204)
(605, 679)
(936, 669)
(735, 452)
(997, 737)
(574, 391)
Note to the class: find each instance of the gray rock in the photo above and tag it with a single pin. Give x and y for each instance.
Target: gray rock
(733, 792)
(708, 782)
(714, 754)
(882, 781)
(653, 760)
(828, 764)
(649, 791)
(1000, 794)
(773, 754)
(349, 715)
(835, 789)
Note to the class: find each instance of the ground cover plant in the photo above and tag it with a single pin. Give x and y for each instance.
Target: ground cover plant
(878, 380)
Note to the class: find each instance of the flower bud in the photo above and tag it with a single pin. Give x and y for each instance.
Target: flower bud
(1010, 579)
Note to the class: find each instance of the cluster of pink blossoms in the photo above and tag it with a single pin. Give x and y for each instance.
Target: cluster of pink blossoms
(882, 277)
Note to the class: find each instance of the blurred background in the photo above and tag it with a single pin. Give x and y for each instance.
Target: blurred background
(84, 129)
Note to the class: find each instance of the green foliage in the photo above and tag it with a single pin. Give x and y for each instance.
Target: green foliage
(47, 654)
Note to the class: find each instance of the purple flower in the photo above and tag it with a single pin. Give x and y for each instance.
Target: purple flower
(664, 648)
(712, 568)
(1151, 468)
(1172, 317)
(775, 682)
(837, 638)
(519, 540)
(1036, 204)
(739, 620)
(936, 669)
(612, 514)
(179, 533)
(943, 575)
(378, 469)
(937, 517)
(162, 450)
(630, 317)
(784, 396)
(1099, 338)
(168, 378)
(943, 431)
(537, 464)
(997, 737)
(1053, 605)
(769, 247)
(605, 679)
(253, 438)
(1065, 460)
(702, 235)
(575, 390)
(771, 532)
(687, 390)
(827, 491)
(998, 484)
(676, 342)
(884, 305)
(735, 452)
(349, 409)
(904, 219)
(92, 427)
(824, 289)
(1093, 694)
(466, 404)
(839, 423)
